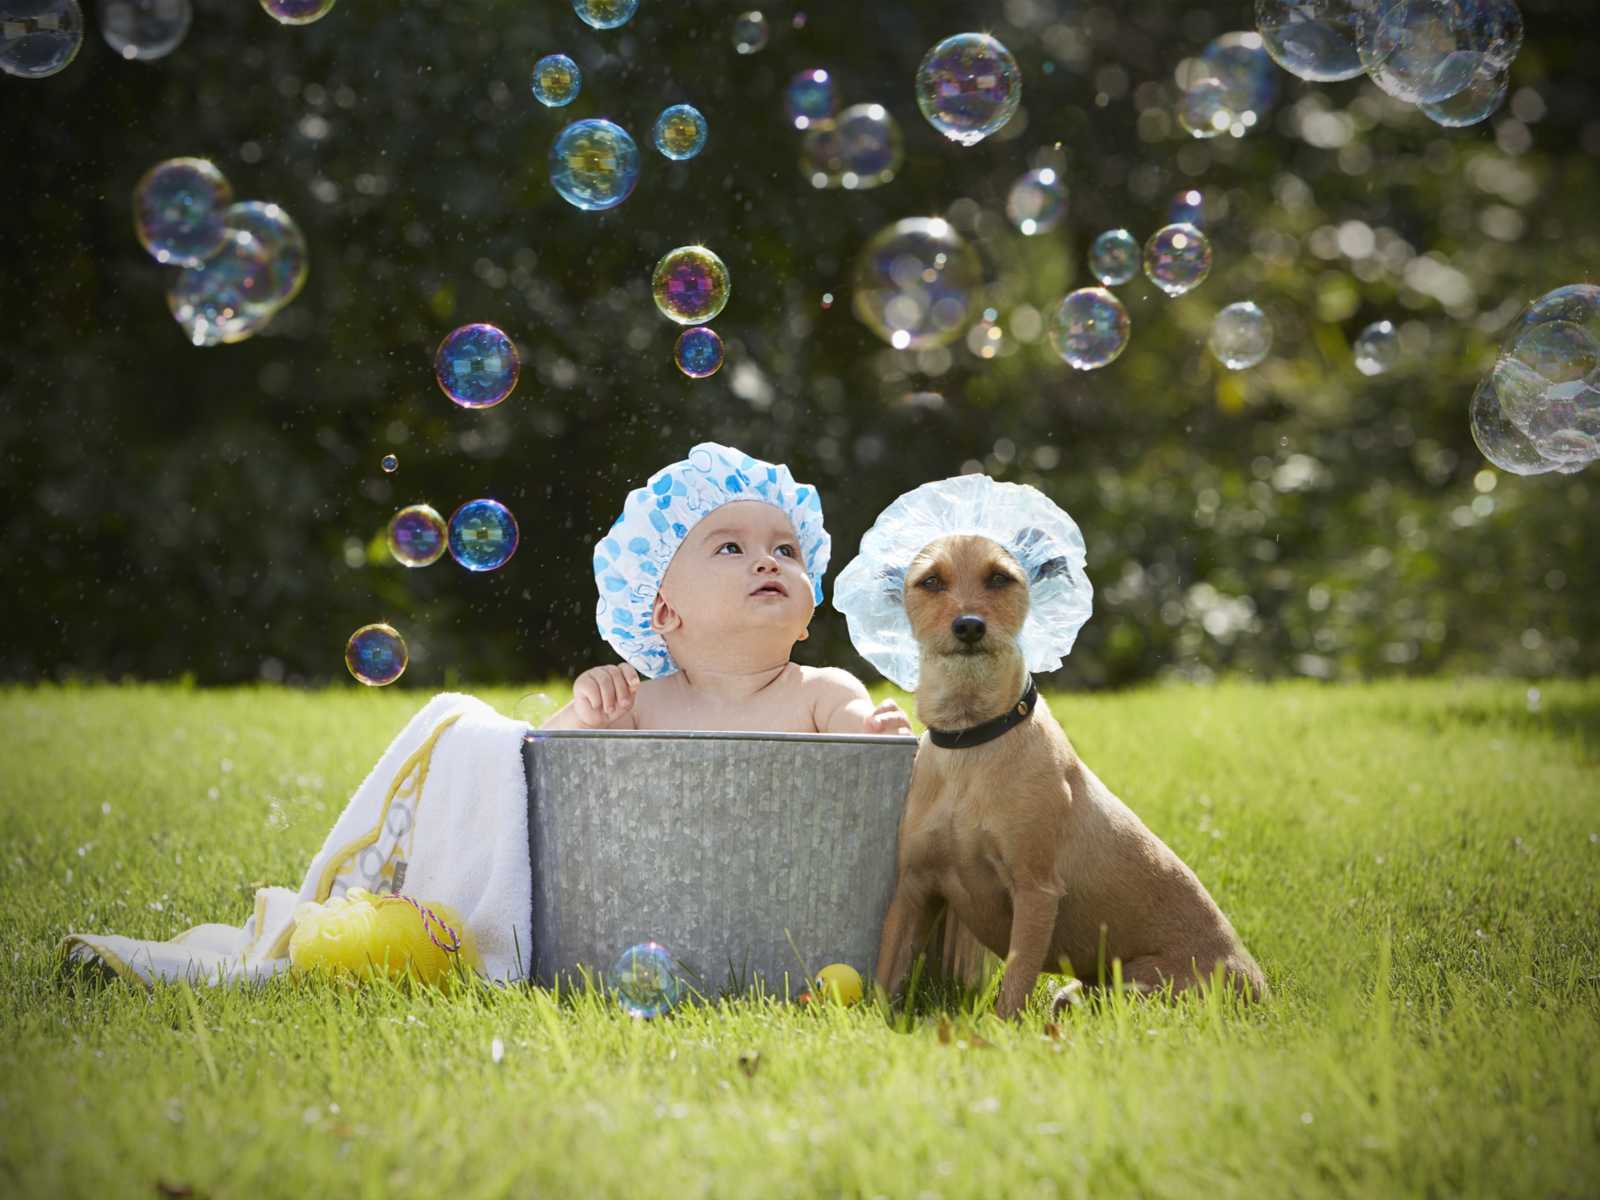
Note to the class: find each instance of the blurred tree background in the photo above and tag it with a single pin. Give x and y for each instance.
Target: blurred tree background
(220, 512)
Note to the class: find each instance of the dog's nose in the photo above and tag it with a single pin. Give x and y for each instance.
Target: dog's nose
(968, 629)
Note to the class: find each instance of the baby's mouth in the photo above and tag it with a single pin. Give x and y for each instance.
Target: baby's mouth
(770, 589)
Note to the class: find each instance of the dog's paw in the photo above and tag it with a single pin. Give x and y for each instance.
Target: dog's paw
(1068, 996)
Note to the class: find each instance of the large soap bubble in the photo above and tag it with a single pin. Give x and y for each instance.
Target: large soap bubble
(417, 535)
(1177, 258)
(1496, 31)
(1473, 103)
(1037, 201)
(1114, 257)
(810, 97)
(1240, 63)
(223, 299)
(691, 285)
(860, 149)
(483, 535)
(1499, 440)
(477, 366)
(680, 131)
(297, 12)
(39, 37)
(594, 164)
(916, 283)
(1241, 335)
(605, 14)
(1203, 109)
(376, 654)
(557, 80)
(968, 86)
(145, 29)
(647, 981)
(289, 260)
(1314, 39)
(179, 211)
(1419, 51)
(1090, 328)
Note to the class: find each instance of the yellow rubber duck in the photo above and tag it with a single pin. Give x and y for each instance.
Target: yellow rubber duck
(361, 934)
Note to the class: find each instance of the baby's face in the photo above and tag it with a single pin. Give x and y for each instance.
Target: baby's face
(740, 570)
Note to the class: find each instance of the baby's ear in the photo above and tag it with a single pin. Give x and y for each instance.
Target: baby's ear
(663, 617)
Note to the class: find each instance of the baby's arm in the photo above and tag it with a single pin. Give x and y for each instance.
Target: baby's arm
(841, 705)
(602, 698)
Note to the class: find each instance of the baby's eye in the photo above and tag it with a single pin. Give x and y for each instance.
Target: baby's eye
(793, 553)
(725, 545)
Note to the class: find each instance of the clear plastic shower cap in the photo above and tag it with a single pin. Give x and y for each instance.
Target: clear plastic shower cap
(1044, 540)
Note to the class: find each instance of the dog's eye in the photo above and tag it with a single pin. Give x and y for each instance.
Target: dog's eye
(932, 582)
(999, 579)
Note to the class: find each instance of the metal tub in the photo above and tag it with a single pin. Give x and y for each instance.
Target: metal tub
(750, 856)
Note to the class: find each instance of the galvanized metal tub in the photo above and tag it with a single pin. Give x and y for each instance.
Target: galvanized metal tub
(750, 856)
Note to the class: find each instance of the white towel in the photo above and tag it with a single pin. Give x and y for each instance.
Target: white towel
(463, 843)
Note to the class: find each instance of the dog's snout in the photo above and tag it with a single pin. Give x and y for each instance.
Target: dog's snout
(968, 629)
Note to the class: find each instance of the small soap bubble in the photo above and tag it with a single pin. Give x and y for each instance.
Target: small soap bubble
(180, 211)
(417, 535)
(1203, 109)
(145, 29)
(1578, 303)
(556, 81)
(646, 980)
(1037, 201)
(39, 37)
(1240, 62)
(690, 285)
(376, 655)
(223, 299)
(477, 366)
(1496, 32)
(297, 12)
(916, 283)
(1497, 438)
(483, 535)
(1114, 257)
(750, 32)
(1241, 335)
(680, 131)
(1177, 258)
(605, 14)
(699, 352)
(285, 245)
(1312, 39)
(1377, 348)
(1090, 328)
(968, 86)
(1476, 102)
(391, 464)
(594, 164)
(862, 148)
(1187, 207)
(810, 97)
(1419, 51)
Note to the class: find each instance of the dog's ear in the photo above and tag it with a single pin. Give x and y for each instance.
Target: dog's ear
(894, 582)
(1030, 547)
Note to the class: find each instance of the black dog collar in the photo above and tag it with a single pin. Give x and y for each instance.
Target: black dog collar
(961, 739)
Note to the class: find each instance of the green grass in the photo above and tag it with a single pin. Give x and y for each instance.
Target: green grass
(1415, 866)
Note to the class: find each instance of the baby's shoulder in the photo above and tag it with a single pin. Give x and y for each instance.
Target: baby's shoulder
(831, 681)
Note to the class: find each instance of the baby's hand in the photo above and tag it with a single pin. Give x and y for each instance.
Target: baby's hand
(602, 694)
(887, 718)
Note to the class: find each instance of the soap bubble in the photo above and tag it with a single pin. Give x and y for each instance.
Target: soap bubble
(1497, 438)
(1241, 335)
(477, 366)
(680, 131)
(810, 97)
(1313, 39)
(1177, 258)
(699, 352)
(179, 211)
(1114, 257)
(916, 283)
(646, 980)
(750, 32)
(1473, 103)
(968, 86)
(1037, 201)
(297, 12)
(860, 149)
(483, 535)
(39, 37)
(376, 655)
(1377, 348)
(605, 14)
(594, 164)
(391, 464)
(1203, 109)
(145, 29)
(1419, 51)
(1578, 303)
(557, 80)
(1560, 351)
(1090, 328)
(221, 300)
(1496, 32)
(285, 245)
(1240, 62)
(1187, 207)
(1560, 418)
(690, 285)
(417, 535)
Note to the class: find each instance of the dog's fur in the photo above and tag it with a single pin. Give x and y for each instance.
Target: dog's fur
(1017, 837)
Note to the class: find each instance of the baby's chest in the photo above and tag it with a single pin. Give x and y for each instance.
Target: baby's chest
(785, 714)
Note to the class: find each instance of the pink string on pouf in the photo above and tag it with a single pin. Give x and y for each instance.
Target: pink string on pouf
(429, 916)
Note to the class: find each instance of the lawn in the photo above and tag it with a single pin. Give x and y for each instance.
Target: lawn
(1416, 866)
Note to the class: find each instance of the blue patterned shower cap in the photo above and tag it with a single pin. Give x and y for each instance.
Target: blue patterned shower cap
(630, 561)
(1044, 540)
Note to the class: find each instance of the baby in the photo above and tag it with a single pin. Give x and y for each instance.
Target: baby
(707, 580)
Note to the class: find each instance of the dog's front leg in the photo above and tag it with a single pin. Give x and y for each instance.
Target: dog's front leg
(1033, 921)
(905, 927)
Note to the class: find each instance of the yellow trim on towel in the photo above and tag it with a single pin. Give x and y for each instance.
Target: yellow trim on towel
(419, 763)
(110, 959)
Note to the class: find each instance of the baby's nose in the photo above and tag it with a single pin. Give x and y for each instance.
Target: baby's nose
(968, 629)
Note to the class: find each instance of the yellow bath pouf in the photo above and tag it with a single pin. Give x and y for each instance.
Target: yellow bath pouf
(360, 933)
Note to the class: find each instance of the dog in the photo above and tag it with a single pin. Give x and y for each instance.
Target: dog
(1011, 833)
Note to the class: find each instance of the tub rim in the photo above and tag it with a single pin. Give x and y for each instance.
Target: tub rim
(730, 735)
